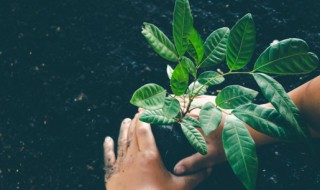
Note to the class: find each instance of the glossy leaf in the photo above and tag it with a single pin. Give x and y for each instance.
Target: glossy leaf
(288, 57)
(150, 96)
(191, 121)
(277, 96)
(179, 80)
(160, 42)
(241, 43)
(240, 151)
(235, 95)
(182, 25)
(195, 138)
(156, 117)
(192, 52)
(171, 107)
(189, 66)
(215, 47)
(194, 87)
(210, 117)
(195, 47)
(210, 78)
(265, 120)
(169, 71)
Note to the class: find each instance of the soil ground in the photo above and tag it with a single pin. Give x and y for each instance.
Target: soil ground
(68, 69)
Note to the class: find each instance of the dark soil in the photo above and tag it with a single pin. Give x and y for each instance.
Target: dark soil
(172, 144)
(68, 69)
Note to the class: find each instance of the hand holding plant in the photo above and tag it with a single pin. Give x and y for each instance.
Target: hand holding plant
(236, 46)
(141, 158)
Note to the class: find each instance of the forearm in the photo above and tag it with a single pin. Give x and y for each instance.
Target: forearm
(307, 99)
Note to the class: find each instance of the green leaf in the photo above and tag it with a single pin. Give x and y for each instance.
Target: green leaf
(182, 25)
(179, 80)
(241, 43)
(191, 121)
(265, 120)
(189, 66)
(210, 78)
(240, 151)
(195, 138)
(215, 47)
(171, 107)
(150, 96)
(195, 86)
(160, 42)
(195, 47)
(277, 96)
(210, 118)
(169, 71)
(288, 57)
(235, 95)
(192, 52)
(156, 117)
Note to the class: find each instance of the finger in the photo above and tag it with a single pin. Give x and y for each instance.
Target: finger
(131, 135)
(191, 181)
(193, 163)
(179, 99)
(140, 110)
(123, 137)
(109, 156)
(145, 137)
(132, 127)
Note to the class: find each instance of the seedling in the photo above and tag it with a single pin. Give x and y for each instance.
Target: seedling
(235, 47)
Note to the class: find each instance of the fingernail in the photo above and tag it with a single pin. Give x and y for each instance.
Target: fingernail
(179, 170)
(126, 121)
(107, 139)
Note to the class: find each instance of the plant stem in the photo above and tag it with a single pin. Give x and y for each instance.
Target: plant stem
(194, 109)
(190, 99)
(225, 74)
(189, 104)
(236, 73)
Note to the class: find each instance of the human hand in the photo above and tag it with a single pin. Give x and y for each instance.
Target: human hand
(138, 165)
(215, 153)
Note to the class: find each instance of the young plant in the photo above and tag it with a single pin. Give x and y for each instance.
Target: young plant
(236, 46)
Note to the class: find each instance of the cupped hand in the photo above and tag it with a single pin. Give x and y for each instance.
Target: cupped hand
(138, 165)
(215, 153)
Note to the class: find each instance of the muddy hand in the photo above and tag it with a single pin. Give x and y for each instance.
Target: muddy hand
(138, 165)
(108, 146)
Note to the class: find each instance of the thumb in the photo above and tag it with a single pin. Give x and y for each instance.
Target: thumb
(192, 180)
(193, 163)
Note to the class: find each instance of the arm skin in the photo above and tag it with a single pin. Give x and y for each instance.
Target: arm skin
(306, 97)
(138, 165)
